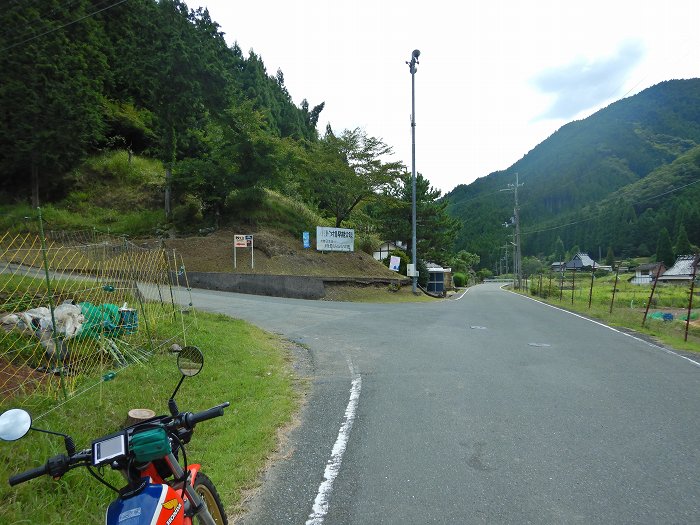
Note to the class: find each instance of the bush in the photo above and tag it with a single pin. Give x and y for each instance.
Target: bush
(459, 279)
(423, 274)
(484, 273)
(188, 215)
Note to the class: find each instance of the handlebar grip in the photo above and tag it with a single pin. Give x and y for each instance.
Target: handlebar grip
(192, 419)
(27, 475)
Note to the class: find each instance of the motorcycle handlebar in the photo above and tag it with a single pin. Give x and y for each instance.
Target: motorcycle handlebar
(192, 418)
(27, 475)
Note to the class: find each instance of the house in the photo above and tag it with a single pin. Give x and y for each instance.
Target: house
(439, 278)
(386, 248)
(580, 261)
(558, 266)
(646, 273)
(682, 271)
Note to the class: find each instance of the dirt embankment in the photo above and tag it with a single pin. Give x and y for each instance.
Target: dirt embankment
(275, 253)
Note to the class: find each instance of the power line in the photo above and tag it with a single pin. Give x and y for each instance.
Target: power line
(603, 214)
(61, 27)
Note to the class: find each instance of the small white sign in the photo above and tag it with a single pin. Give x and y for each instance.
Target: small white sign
(394, 263)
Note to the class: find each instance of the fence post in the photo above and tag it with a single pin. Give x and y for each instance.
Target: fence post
(612, 301)
(54, 335)
(651, 296)
(696, 260)
(590, 294)
(561, 287)
(573, 286)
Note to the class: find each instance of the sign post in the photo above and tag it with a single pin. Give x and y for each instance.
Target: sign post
(243, 241)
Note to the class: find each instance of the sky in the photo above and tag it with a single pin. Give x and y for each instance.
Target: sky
(495, 77)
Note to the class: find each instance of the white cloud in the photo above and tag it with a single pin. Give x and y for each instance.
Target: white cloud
(477, 107)
(584, 84)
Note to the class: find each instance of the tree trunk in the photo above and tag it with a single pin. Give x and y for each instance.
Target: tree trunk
(168, 181)
(35, 184)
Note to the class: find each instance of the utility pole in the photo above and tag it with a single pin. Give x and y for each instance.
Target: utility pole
(517, 258)
(413, 69)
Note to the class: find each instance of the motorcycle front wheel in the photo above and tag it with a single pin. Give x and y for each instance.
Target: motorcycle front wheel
(207, 491)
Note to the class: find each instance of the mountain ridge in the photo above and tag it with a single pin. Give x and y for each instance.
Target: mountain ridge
(579, 166)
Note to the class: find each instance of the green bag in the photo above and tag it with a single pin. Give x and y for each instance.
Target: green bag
(150, 444)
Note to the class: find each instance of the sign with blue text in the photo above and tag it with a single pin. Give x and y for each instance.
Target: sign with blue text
(306, 238)
(335, 239)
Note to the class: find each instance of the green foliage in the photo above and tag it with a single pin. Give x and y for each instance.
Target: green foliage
(459, 279)
(187, 217)
(682, 246)
(424, 274)
(350, 169)
(435, 229)
(464, 261)
(484, 273)
(664, 250)
(610, 257)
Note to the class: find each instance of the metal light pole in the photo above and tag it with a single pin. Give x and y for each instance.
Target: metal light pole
(412, 68)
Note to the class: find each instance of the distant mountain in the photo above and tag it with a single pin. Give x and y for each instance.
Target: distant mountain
(596, 183)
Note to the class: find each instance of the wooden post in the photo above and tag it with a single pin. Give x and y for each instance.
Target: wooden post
(561, 287)
(573, 286)
(651, 296)
(696, 260)
(590, 294)
(612, 301)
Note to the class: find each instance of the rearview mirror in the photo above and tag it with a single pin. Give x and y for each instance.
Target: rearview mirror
(14, 424)
(190, 361)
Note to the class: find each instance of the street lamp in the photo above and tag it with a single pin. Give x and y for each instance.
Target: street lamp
(412, 68)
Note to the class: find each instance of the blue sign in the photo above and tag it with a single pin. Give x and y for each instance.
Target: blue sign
(307, 240)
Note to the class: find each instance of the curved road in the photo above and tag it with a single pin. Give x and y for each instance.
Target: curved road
(489, 409)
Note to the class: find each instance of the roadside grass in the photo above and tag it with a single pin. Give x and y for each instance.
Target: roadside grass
(243, 365)
(628, 307)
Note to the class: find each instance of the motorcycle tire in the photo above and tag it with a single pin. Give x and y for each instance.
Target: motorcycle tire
(206, 489)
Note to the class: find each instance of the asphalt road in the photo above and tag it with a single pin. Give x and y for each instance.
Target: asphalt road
(489, 409)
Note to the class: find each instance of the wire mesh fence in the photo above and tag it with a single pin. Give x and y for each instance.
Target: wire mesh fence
(75, 307)
(670, 309)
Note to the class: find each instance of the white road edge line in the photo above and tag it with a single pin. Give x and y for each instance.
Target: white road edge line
(463, 294)
(320, 508)
(609, 328)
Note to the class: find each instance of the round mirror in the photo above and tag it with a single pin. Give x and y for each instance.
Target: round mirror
(190, 361)
(14, 424)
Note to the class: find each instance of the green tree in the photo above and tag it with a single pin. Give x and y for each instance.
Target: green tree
(435, 229)
(610, 257)
(531, 266)
(464, 261)
(50, 94)
(349, 170)
(664, 249)
(559, 250)
(682, 246)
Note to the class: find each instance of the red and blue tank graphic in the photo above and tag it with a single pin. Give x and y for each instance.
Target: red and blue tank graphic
(154, 505)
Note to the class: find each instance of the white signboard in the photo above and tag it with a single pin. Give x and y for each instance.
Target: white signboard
(243, 241)
(394, 263)
(335, 239)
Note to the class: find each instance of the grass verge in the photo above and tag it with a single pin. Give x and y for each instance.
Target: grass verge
(628, 310)
(243, 365)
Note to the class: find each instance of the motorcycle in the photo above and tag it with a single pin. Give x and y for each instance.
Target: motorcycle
(158, 490)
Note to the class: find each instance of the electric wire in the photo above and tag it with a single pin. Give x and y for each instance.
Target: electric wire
(61, 27)
(603, 214)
